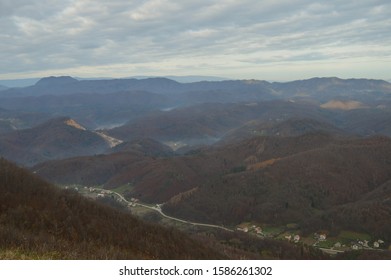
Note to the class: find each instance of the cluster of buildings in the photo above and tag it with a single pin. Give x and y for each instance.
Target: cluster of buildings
(252, 228)
(366, 245)
(293, 238)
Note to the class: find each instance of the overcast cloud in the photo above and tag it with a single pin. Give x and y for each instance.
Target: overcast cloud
(262, 39)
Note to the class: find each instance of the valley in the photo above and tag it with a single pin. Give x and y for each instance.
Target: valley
(346, 240)
(251, 168)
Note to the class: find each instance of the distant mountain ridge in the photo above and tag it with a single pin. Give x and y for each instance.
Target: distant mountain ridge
(109, 103)
(182, 79)
(69, 85)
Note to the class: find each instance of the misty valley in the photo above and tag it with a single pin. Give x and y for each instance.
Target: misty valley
(153, 168)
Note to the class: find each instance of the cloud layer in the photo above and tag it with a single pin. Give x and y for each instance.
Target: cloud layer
(278, 40)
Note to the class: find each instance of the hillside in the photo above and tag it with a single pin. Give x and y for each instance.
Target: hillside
(5, 126)
(285, 128)
(39, 221)
(57, 138)
(158, 179)
(366, 122)
(147, 147)
(315, 180)
(12, 119)
(327, 187)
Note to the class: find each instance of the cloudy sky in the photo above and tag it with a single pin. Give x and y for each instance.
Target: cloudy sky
(261, 39)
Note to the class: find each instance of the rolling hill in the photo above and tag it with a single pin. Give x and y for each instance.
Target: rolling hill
(321, 188)
(11, 120)
(147, 147)
(207, 123)
(285, 128)
(273, 180)
(57, 138)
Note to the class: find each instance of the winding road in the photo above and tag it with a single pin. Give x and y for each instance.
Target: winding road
(159, 210)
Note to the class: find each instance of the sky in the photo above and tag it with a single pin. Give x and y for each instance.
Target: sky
(275, 40)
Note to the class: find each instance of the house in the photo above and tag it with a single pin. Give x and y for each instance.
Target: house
(376, 244)
(338, 245)
(296, 238)
(244, 229)
(258, 230)
(288, 237)
(355, 247)
(101, 195)
(322, 237)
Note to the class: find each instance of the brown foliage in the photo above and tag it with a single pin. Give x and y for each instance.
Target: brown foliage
(42, 220)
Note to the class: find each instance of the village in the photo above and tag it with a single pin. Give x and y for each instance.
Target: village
(345, 241)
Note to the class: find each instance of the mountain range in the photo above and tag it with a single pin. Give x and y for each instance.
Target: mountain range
(313, 153)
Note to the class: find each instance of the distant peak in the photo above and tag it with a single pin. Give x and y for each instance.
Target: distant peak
(62, 80)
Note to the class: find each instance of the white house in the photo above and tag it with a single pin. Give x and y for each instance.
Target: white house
(322, 237)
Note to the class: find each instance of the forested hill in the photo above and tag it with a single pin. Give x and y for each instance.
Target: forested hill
(40, 221)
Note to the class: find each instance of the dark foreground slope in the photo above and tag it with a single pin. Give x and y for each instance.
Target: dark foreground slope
(40, 221)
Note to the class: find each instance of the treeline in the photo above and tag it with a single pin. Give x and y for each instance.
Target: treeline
(38, 220)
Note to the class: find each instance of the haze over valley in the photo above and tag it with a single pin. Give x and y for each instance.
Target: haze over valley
(300, 158)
